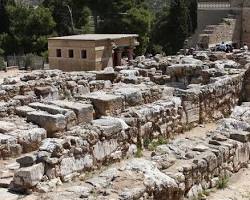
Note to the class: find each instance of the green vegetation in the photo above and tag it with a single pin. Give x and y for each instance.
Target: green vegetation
(27, 30)
(222, 182)
(162, 25)
(139, 152)
(153, 144)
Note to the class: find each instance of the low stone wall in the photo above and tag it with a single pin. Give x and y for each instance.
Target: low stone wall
(182, 169)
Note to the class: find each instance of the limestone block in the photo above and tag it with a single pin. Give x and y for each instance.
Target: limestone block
(26, 161)
(52, 123)
(84, 112)
(43, 91)
(9, 146)
(53, 109)
(102, 150)
(241, 136)
(52, 145)
(29, 177)
(109, 126)
(23, 110)
(106, 104)
(133, 96)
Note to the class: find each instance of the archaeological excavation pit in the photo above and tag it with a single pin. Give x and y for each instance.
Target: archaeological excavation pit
(116, 133)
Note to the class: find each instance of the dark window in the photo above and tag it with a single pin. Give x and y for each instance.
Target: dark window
(83, 54)
(71, 53)
(58, 53)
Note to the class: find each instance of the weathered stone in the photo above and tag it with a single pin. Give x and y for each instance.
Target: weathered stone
(6, 126)
(29, 177)
(52, 123)
(43, 91)
(26, 161)
(241, 136)
(24, 110)
(106, 104)
(103, 149)
(109, 126)
(84, 112)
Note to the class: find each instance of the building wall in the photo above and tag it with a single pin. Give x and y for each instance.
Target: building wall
(99, 53)
(72, 64)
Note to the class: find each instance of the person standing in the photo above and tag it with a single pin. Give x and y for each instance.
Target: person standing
(245, 47)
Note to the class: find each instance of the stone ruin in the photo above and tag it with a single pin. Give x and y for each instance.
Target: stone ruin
(113, 134)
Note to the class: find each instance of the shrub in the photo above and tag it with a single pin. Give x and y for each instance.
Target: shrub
(138, 153)
(222, 183)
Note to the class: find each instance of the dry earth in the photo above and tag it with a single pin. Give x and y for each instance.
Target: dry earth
(238, 188)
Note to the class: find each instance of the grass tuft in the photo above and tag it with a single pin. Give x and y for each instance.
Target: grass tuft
(222, 183)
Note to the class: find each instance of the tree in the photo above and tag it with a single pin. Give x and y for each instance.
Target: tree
(139, 21)
(4, 22)
(174, 25)
(29, 28)
(71, 17)
(192, 8)
(61, 14)
(123, 16)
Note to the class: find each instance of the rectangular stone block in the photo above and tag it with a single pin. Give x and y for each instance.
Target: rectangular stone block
(53, 109)
(106, 104)
(84, 112)
(52, 123)
(29, 177)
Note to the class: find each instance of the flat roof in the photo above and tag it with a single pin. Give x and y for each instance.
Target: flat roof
(93, 37)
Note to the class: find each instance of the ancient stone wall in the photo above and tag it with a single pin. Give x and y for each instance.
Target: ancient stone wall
(72, 124)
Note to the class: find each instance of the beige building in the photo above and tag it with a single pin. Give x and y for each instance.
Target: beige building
(90, 51)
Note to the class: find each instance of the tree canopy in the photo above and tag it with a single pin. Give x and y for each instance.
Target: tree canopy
(162, 25)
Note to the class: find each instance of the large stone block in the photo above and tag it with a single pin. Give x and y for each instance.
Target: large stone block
(28, 177)
(84, 112)
(23, 110)
(52, 123)
(133, 96)
(106, 104)
(109, 126)
(54, 110)
(43, 91)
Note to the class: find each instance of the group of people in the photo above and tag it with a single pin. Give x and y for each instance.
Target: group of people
(225, 47)
(229, 48)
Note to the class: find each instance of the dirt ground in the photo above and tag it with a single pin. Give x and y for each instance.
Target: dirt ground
(238, 188)
(199, 131)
